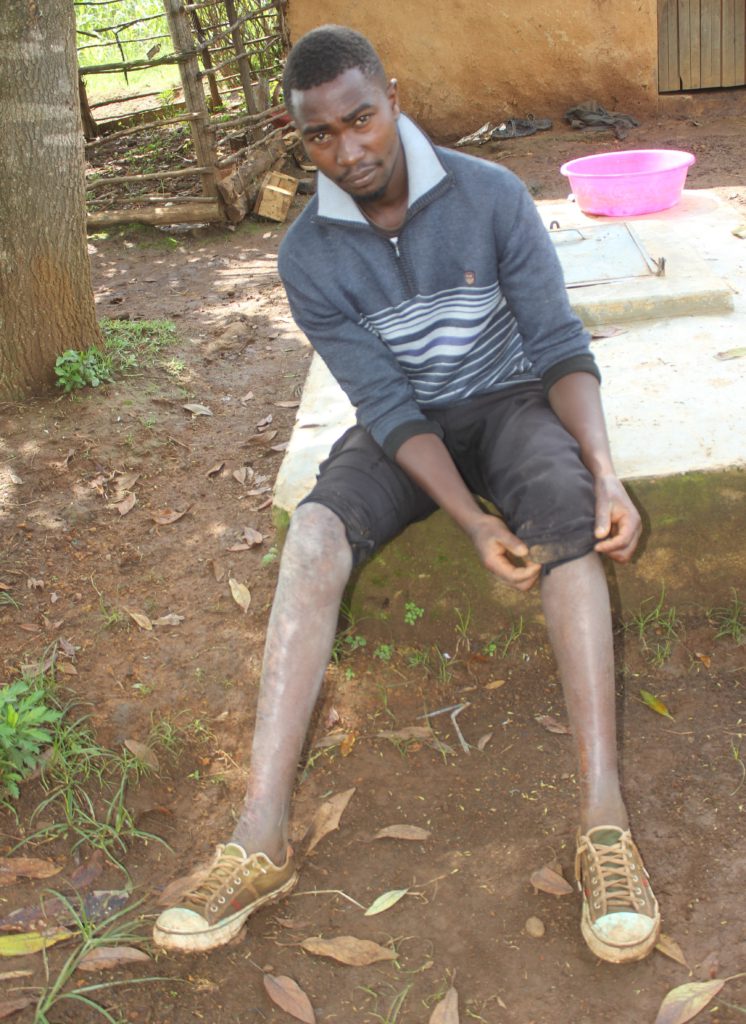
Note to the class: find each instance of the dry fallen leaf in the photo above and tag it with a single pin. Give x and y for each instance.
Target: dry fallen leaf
(241, 594)
(495, 684)
(411, 832)
(10, 1006)
(345, 747)
(385, 901)
(252, 537)
(685, 1002)
(606, 332)
(546, 879)
(704, 658)
(731, 353)
(446, 1012)
(172, 619)
(710, 966)
(124, 505)
(166, 516)
(139, 617)
(179, 886)
(670, 948)
(13, 868)
(292, 404)
(218, 570)
(656, 704)
(484, 740)
(409, 732)
(214, 470)
(241, 474)
(125, 481)
(552, 724)
(104, 957)
(143, 753)
(264, 423)
(348, 950)
(290, 997)
(31, 942)
(327, 817)
(197, 410)
(66, 668)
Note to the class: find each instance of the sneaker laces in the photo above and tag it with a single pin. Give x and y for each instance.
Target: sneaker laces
(615, 881)
(224, 866)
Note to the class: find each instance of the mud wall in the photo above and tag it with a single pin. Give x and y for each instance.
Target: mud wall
(460, 64)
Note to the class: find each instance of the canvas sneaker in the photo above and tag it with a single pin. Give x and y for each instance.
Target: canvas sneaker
(620, 920)
(214, 911)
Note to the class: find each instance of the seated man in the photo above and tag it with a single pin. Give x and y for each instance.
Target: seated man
(428, 284)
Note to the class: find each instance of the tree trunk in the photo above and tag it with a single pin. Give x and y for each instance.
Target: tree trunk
(46, 299)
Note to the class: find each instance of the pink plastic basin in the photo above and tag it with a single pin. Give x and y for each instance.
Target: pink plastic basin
(628, 183)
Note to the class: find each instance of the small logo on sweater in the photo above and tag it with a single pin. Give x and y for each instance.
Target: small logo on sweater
(470, 277)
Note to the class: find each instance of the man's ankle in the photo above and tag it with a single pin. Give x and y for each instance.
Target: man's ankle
(275, 847)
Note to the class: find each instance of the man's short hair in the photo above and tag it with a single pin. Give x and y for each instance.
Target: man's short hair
(325, 53)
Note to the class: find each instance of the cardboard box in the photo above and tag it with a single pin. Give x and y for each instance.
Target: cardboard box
(275, 196)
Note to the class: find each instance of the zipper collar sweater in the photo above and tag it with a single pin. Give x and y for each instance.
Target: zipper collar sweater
(469, 302)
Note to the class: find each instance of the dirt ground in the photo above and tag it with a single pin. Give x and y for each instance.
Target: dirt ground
(494, 815)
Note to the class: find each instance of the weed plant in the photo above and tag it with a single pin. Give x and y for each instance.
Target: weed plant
(730, 619)
(502, 643)
(7, 599)
(84, 785)
(127, 346)
(117, 930)
(657, 629)
(27, 722)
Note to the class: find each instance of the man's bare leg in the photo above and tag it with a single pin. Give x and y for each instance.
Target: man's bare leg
(315, 568)
(575, 596)
(254, 869)
(620, 918)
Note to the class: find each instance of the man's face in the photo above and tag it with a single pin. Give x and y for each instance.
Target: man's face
(348, 127)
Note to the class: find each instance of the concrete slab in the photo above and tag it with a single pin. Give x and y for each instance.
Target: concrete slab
(672, 404)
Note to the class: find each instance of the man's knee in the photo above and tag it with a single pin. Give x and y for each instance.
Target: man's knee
(317, 541)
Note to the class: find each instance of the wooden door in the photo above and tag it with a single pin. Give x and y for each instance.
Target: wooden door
(701, 44)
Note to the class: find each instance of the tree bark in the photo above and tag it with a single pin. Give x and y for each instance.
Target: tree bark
(46, 298)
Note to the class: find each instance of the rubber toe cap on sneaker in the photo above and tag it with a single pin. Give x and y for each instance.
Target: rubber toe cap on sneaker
(181, 921)
(623, 928)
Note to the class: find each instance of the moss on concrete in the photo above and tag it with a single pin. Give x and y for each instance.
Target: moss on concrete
(694, 545)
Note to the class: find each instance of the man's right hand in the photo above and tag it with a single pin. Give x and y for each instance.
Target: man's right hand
(427, 461)
(503, 553)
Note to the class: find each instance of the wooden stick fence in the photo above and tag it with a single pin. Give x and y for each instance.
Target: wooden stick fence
(249, 64)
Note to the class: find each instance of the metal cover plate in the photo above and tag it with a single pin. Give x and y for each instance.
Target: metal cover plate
(602, 253)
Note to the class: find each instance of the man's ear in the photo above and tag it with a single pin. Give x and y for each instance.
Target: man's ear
(392, 94)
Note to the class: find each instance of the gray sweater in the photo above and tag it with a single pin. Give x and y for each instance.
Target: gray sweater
(468, 300)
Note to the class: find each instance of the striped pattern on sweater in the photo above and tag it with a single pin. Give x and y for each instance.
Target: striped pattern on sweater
(454, 344)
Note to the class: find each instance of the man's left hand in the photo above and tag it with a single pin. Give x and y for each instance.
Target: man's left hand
(618, 524)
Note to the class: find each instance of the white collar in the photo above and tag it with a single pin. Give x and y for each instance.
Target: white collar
(424, 171)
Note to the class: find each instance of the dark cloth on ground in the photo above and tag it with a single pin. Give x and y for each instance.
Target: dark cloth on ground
(591, 115)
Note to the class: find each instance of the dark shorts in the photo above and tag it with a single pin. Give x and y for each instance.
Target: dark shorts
(510, 449)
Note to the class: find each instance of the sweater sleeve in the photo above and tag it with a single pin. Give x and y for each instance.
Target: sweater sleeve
(358, 359)
(532, 282)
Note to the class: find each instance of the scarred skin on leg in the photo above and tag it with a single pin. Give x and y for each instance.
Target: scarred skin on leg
(575, 597)
(315, 568)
